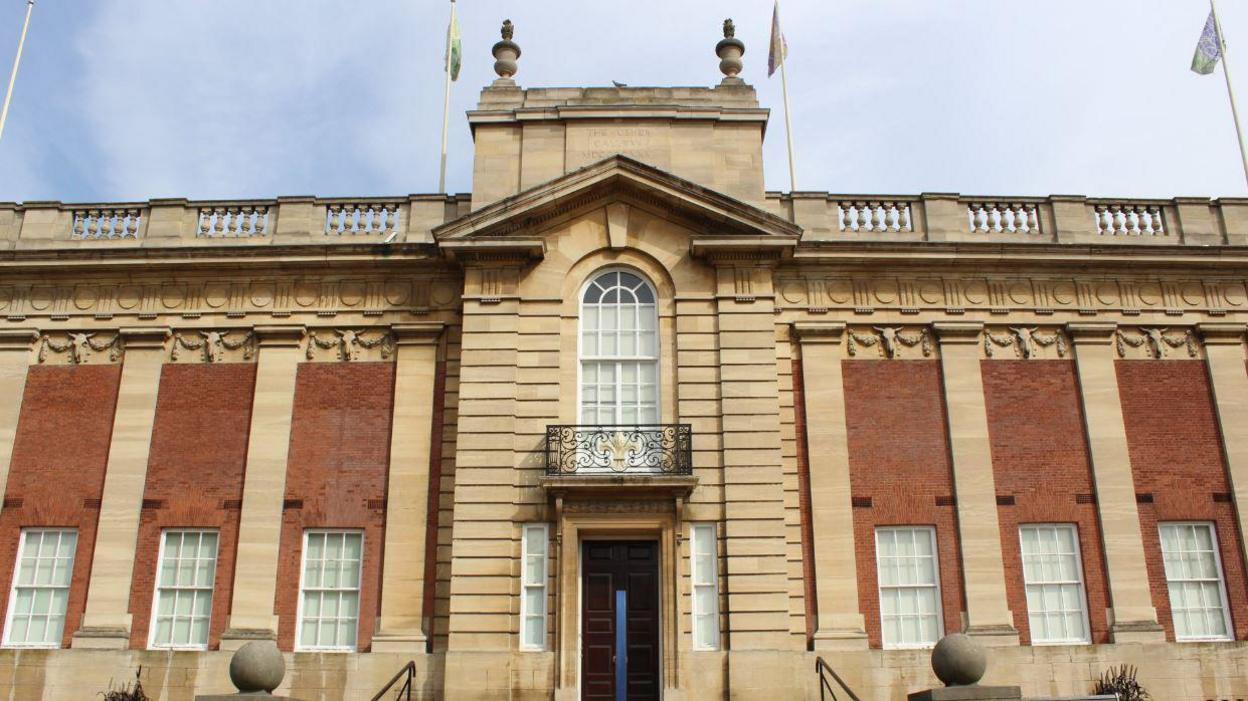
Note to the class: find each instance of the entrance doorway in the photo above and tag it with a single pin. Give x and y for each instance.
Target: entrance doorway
(620, 621)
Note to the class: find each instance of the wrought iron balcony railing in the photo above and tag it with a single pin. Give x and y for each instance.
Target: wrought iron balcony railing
(605, 450)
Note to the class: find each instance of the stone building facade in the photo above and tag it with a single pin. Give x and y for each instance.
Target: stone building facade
(623, 409)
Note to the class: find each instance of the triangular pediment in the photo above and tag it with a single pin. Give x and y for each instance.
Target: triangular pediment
(522, 219)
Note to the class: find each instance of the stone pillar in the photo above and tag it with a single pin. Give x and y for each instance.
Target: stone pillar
(1133, 618)
(106, 621)
(839, 624)
(264, 487)
(983, 567)
(400, 628)
(15, 345)
(1228, 376)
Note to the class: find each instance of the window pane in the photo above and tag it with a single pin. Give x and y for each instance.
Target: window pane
(1194, 581)
(909, 595)
(41, 587)
(533, 586)
(330, 610)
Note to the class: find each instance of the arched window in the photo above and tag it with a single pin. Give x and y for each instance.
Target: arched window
(619, 351)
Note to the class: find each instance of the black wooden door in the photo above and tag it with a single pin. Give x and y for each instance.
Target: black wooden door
(615, 575)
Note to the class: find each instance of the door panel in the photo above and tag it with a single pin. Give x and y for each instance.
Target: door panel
(631, 568)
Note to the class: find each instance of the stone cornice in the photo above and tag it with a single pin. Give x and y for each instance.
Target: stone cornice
(17, 339)
(144, 337)
(417, 334)
(1092, 333)
(280, 335)
(1220, 334)
(827, 332)
(582, 186)
(957, 332)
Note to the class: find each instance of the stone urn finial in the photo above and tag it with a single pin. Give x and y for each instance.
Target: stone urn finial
(958, 660)
(730, 49)
(505, 54)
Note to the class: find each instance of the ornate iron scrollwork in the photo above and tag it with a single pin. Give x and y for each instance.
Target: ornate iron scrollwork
(661, 449)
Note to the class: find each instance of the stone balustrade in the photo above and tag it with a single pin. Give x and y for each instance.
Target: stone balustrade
(233, 221)
(825, 217)
(1034, 220)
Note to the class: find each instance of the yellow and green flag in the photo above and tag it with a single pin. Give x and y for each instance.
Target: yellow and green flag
(453, 49)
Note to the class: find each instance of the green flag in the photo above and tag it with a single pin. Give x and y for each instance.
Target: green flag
(453, 48)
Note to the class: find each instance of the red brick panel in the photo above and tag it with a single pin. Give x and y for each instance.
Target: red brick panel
(194, 477)
(1040, 458)
(899, 458)
(1176, 457)
(336, 476)
(57, 472)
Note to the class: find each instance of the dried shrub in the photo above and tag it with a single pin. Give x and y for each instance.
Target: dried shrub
(1120, 681)
(127, 692)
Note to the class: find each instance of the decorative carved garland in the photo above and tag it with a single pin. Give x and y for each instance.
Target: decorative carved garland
(887, 338)
(1025, 341)
(78, 345)
(213, 344)
(1157, 341)
(349, 342)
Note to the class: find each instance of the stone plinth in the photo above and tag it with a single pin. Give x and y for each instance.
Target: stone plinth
(968, 693)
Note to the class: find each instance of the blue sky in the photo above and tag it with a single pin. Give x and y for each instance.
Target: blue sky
(131, 99)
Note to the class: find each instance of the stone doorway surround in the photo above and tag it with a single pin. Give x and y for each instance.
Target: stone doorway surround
(597, 516)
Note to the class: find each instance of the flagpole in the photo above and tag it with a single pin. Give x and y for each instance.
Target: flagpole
(1230, 88)
(8, 95)
(446, 102)
(788, 125)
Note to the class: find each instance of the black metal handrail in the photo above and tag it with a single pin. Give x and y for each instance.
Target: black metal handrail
(821, 668)
(408, 674)
(664, 449)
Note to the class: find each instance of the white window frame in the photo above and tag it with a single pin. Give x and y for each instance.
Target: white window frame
(13, 586)
(940, 604)
(657, 359)
(527, 534)
(697, 533)
(1083, 590)
(212, 590)
(303, 566)
(1217, 561)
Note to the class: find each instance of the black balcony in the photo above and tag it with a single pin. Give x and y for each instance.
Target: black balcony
(614, 450)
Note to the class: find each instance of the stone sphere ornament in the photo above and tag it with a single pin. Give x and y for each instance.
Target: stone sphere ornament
(506, 52)
(257, 667)
(730, 49)
(958, 660)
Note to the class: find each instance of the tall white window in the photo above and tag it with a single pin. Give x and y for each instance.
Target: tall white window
(329, 602)
(1053, 577)
(619, 351)
(910, 614)
(533, 595)
(182, 607)
(40, 595)
(1194, 579)
(705, 592)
